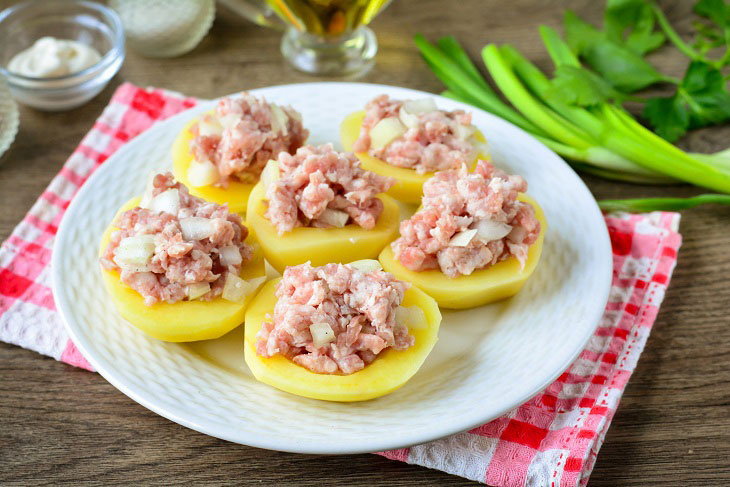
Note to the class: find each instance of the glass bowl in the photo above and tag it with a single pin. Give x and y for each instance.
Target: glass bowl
(87, 22)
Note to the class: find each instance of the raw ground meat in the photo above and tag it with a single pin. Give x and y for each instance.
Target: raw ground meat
(317, 179)
(457, 200)
(358, 306)
(178, 262)
(248, 135)
(433, 145)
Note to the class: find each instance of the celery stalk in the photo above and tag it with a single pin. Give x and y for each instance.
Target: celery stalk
(663, 204)
(594, 160)
(552, 123)
(557, 49)
(622, 176)
(538, 83)
(454, 77)
(621, 120)
(638, 131)
(680, 166)
(599, 156)
(562, 55)
(451, 47)
(720, 159)
(605, 137)
(459, 91)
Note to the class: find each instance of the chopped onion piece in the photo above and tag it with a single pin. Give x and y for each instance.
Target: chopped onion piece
(422, 105)
(366, 265)
(410, 120)
(462, 238)
(236, 289)
(134, 253)
(463, 132)
(336, 218)
(194, 291)
(209, 126)
(202, 173)
(279, 120)
(145, 201)
(168, 202)
(385, 132)
(256, 282)
(229, 120)
(411, 317)
(196, 228)
(488, 230)
(322, 334)
(230, 255)
(270, 174)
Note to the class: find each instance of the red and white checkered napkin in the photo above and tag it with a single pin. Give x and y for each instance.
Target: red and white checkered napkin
(552, 440)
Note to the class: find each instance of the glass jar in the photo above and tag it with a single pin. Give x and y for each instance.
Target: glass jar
(164, 28)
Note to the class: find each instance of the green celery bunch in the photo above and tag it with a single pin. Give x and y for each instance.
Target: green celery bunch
(617, 52)
(602, 139)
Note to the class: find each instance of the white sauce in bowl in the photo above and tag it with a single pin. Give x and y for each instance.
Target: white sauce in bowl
(49, 57)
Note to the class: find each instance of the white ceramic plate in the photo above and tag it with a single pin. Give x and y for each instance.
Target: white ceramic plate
(488, 360)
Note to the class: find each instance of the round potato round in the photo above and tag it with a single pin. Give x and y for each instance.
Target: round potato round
(389, 371)
(320, 246)
(235, 195)
(502, 280)
(183, 321)
(408, 187)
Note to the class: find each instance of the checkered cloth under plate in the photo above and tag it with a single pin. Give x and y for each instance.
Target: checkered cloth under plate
(552, 440)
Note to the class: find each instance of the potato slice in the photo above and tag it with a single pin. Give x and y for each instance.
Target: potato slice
(502, 280)
(409, 184)
(235, 195)
(390, 370)
(320, 245)
(184, 321)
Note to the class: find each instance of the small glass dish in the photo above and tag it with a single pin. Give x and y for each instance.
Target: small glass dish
(87, 22)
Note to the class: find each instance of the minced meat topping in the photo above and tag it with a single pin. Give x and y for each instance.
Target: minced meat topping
(334, 319)
(319, 187)
(417, 135)
(175, 246)
(242, 134)
(468, 221)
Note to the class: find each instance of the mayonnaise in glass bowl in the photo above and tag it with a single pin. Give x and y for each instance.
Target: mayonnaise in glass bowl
(86, 22)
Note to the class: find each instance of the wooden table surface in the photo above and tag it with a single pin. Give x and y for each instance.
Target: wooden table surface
(60, 424)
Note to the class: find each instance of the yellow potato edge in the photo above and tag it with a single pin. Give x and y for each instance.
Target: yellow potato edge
(499, 281)
(387, 373)
(320, 245)
(235, 196)
(183, 321)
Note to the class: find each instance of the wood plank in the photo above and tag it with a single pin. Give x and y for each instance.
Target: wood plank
(60, 424)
